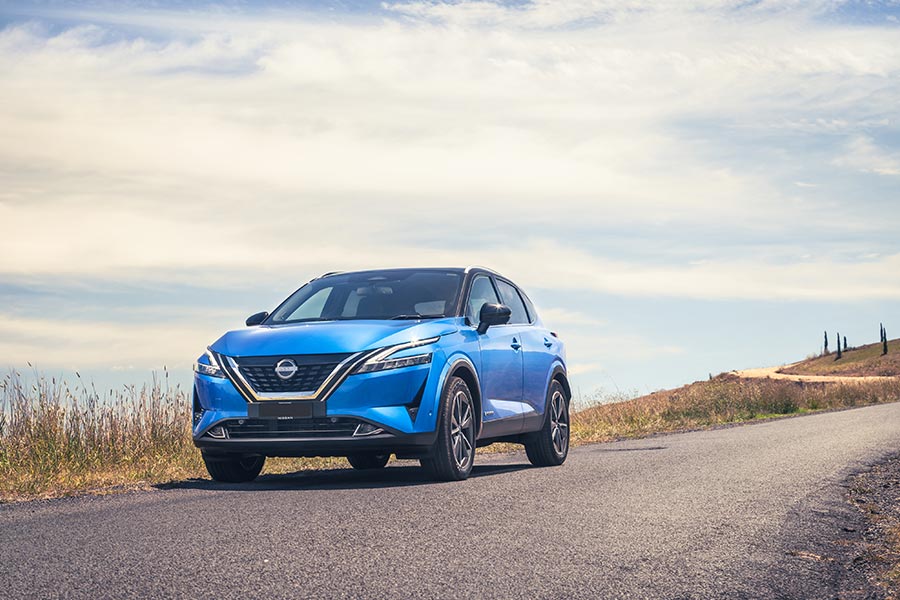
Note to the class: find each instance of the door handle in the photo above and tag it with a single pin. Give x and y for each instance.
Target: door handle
(548, 343)
(515, 344)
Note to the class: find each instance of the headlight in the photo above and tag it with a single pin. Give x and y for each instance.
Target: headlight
(394, 363)
(382, 362)
(212, 369)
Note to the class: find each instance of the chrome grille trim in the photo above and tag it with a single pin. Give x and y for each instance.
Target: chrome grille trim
(334, 379)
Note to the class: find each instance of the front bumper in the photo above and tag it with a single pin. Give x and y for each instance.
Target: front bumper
(400, 402)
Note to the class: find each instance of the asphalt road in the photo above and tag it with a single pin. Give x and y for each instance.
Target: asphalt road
(746, 512)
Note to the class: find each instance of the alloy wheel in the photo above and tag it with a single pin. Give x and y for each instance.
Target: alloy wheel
(462, 430)
(559, 423)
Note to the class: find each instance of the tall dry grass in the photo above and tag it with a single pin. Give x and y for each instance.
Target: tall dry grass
(725, 399)
(54, 437)
(57, 439)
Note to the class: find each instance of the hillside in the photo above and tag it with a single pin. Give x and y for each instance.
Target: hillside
(750, 395)
(855, 362)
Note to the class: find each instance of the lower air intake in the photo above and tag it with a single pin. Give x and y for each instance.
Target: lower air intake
(292, 428)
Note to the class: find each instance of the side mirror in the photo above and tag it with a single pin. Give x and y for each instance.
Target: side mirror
(256, 319)
(493, 314)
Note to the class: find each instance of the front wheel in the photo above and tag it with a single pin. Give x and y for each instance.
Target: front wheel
(234, 469)
(365, 462)
(454, 450)
(550, 446)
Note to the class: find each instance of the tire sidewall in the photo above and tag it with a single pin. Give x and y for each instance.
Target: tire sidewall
(547, 430)
(557, 386)
(444, 446)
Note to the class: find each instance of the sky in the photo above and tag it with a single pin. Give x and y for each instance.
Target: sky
(683, 188)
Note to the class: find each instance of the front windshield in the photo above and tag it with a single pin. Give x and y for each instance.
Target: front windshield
(400, 294)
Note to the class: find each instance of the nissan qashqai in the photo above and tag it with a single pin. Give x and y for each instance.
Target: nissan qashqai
(425, 364)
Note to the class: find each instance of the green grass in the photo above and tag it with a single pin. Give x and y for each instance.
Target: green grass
(57, 440)
(855, 362)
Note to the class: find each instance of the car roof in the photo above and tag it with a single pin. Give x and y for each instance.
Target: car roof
(460, 270)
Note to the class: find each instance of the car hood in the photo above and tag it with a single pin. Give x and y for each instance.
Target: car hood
(328, 337)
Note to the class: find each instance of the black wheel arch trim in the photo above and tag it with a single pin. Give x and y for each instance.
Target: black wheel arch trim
(559, 374)
(464, 365)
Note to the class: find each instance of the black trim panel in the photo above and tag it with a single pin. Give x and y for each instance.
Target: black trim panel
(501, 427)
(418, 444)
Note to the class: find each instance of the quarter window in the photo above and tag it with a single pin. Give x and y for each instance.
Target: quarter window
(510, 297)
(482, 291)
(532, 313)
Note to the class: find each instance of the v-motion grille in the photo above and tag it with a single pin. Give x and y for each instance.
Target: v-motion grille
(312, 371)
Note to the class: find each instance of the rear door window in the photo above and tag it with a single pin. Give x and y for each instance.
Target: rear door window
(509, 295)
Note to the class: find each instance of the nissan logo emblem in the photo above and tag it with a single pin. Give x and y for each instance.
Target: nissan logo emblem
(285, 368)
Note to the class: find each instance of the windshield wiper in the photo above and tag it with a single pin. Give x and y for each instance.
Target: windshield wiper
(416, 316)
(306, 320)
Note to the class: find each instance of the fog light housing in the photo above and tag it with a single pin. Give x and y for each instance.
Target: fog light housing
(217, 432)
(364, 429)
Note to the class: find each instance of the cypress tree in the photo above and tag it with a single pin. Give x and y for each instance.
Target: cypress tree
(845, 343)
(826, 342)
(838, 346)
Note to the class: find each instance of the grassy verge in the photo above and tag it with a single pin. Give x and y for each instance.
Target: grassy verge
(725, 399)
(58, 440)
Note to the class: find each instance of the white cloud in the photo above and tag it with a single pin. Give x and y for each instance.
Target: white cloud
(223, 149)
(115, 345)
(862, 154)
(552, 13)
(746, 278)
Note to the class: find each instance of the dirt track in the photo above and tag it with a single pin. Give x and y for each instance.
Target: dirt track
(772, 373)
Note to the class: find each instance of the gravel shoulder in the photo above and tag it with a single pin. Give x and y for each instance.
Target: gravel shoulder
(875, 493)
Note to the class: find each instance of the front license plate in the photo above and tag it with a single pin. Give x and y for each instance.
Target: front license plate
(271, 409)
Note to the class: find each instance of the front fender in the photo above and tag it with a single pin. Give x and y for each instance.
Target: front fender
(465, 367)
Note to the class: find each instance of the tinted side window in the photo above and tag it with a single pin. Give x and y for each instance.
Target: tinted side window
(482, 291)
(532, 313)
(510, 297)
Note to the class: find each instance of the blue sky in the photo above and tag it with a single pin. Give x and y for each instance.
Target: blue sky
(683, 190)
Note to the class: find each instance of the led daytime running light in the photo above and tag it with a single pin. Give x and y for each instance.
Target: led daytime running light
(395, 363)
(381, 362)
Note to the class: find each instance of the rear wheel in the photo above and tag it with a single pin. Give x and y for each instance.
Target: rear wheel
(550, 446)
(453, 453)
(234, 469)
(367, 461)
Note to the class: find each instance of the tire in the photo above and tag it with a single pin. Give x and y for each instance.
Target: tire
(549, 447)
(368, 461)
(234, 469)
(453, 453)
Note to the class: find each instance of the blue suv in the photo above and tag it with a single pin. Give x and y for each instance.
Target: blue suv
(420, 363)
